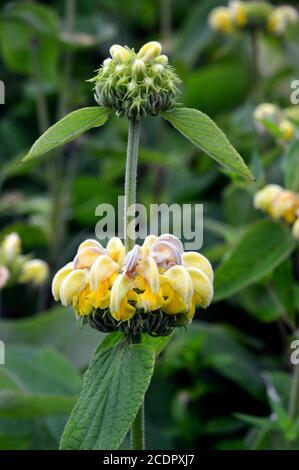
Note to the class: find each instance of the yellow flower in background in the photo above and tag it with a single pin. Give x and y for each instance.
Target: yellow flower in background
(238, 12)
(264, 198)
(295, 229)
(220, 19)
(11, 246)
(278, 202)
(158, 278)
(285, 206)
(281, 18)
(35, 271)
(287, 129)
(19, 268)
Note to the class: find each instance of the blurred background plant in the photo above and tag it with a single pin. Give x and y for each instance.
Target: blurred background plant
(227, 379)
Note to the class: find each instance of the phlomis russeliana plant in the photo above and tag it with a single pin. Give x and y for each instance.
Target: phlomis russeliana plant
(133, 292)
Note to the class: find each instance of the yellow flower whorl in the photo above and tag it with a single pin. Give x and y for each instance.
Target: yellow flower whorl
(155, 286)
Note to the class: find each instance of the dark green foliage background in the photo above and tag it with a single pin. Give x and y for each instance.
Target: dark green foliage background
(213, 384)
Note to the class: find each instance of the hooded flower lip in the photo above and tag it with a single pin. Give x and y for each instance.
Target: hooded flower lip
(167, 251)
(157, 278)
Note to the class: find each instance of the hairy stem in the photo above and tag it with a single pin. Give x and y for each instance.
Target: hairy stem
(137, 429)
(130, 181)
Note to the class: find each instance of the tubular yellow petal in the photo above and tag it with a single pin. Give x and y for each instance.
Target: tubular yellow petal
(192, 259)
(181, 281)
(90, 243)
(115, 248)
(202, 286)
(59, 277)
(72, 285)
(149, 271)
(119, 290)
(102, 269)
(86, 257)
(150, 51)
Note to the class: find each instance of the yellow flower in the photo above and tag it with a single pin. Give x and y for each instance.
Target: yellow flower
(34, 270)
(285, 205)
(139, 275)
(220, 20)
(287, 129)
(158, 276)
(238, 12)
(87, 280)
(149, 51)
(295, 229)
(264, 198)
(11, 246)
(281, 18)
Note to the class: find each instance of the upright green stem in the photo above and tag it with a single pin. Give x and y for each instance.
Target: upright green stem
(137, 429)
(294, 396)
(130, 180)
(255, 56)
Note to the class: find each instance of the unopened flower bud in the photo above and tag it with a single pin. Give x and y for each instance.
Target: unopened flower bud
(138, 66)
(150, 51)
(107, 62)
(11, 246)
(158, 69)
(162, 59)
(119, 53)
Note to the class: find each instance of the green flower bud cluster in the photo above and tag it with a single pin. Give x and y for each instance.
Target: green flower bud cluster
(135, 85)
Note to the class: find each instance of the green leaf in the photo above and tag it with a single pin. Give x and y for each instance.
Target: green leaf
(113, 391)
(205, 134)
(68, 128)
(56, 328)
(16, 404)
(36, 382)
(262, 248)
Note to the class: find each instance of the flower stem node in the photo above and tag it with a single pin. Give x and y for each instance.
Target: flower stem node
(152, 288)
(136, 85)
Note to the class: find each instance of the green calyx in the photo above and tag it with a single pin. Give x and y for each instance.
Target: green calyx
(136, 85)
(156, 323)
(258, 13)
